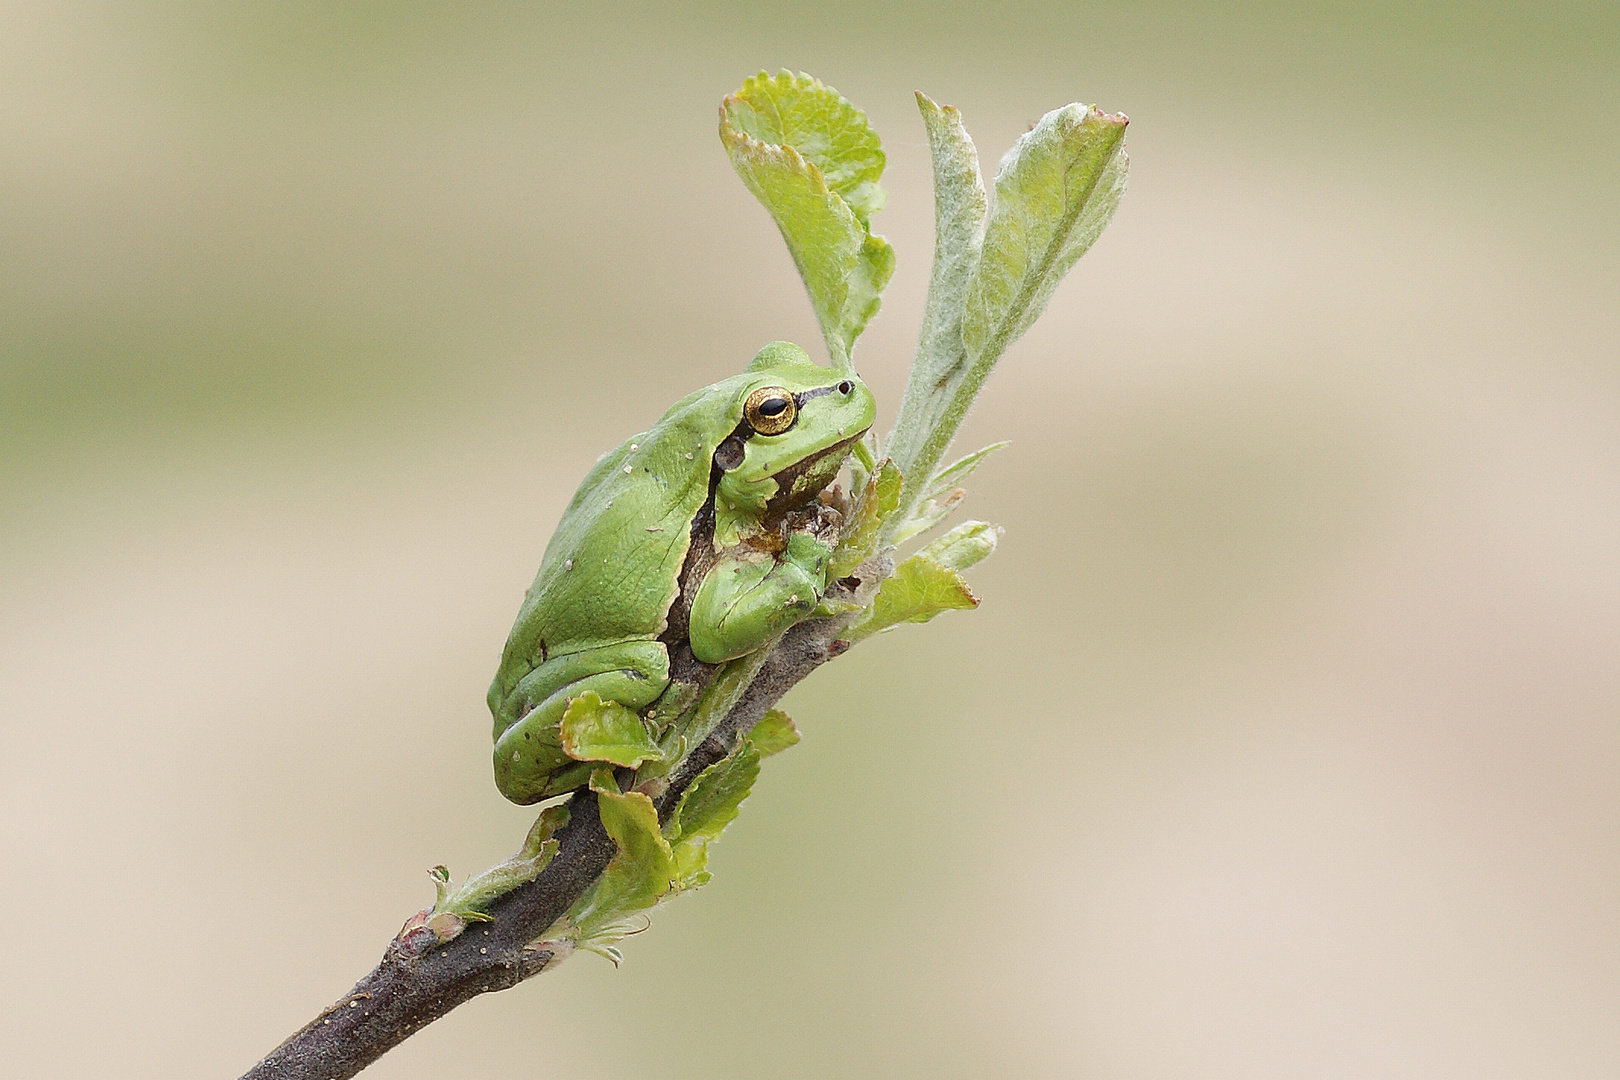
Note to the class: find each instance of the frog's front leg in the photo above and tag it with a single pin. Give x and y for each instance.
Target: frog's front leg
(530, 763)
(747, 599)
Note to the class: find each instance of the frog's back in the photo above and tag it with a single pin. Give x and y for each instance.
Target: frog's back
(612, 568)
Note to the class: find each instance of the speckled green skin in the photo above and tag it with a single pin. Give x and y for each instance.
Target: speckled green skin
(601, 600)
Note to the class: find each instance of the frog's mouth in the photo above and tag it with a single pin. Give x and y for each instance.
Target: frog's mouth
(799, 483)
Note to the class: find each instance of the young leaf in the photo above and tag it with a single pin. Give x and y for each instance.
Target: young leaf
(919, 589)
(1055, 192)
(456, 907)
(969, 543)
(942, 494)
(859, 538)
(827, 131)
(773, 733)
(958, 472)
(810, 158)
(641, 873)
(930, 513)
(597, 730)
(725, 688)
(707, 807)
(959, 209)
(862, 453)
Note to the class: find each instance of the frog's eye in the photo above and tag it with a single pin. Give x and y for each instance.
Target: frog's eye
(770, 410)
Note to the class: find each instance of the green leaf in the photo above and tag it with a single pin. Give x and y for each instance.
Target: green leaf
(597, 730)
(725, 688)
(550, 820)
(641, 873)
(1056, 190)
(939, 361)
(860, 536)
(959, 208)
(919, 589)
(708, 806)
(942, 494)
(811, 159)
(828, 132)
(969, 543)
(862, 452)
(958, 472)
(456, 907)
(773, 733)
(929, 514)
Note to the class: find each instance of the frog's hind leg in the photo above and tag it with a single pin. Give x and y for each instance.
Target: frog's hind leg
(530, 763)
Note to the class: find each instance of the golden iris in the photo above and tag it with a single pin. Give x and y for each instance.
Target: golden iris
(770, 410)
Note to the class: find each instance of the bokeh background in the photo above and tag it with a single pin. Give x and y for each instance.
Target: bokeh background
(1284, 744)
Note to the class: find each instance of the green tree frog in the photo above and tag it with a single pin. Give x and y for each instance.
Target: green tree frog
(691, 544)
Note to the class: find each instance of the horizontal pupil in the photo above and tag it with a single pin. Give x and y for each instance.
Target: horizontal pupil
(772, 406)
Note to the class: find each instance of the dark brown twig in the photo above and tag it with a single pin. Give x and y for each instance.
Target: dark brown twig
(419, 979)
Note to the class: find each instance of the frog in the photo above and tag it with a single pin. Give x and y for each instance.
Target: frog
(695, 543)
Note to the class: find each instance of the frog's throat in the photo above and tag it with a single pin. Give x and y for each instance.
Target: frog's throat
(799, 483)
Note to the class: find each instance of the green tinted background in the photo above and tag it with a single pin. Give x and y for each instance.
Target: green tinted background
(1285, 743)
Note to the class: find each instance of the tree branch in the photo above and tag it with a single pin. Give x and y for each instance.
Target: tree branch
(419, 979)
(1055, 192)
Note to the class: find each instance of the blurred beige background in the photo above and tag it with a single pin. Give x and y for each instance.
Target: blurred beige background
(1284, 745)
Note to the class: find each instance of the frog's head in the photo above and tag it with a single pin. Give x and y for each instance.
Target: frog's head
(797, 421)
